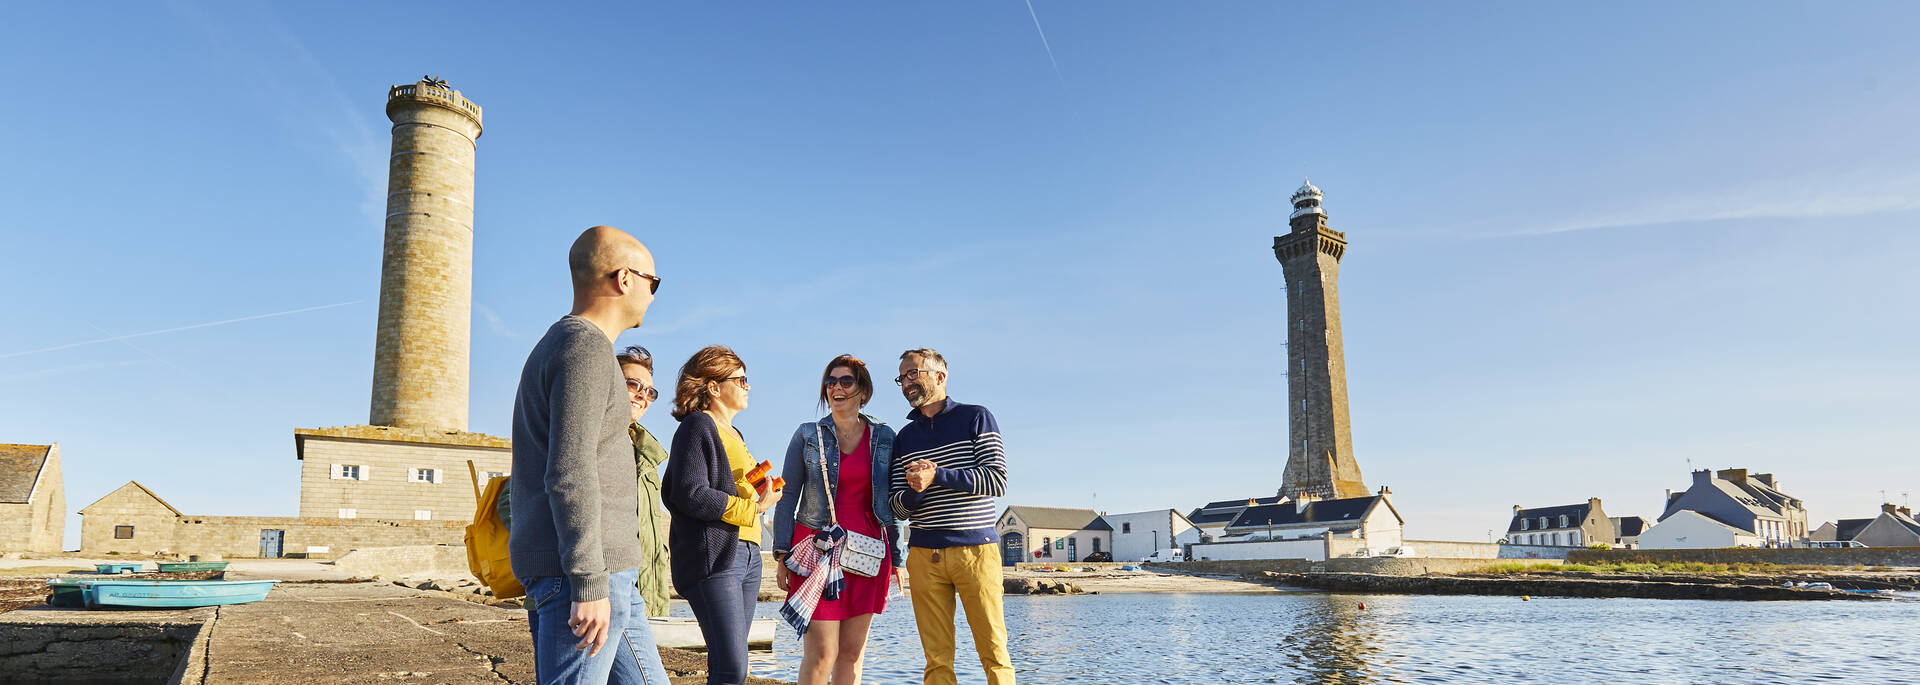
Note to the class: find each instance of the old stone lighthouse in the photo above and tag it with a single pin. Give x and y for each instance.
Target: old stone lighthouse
(1320, 463)
(426, 269)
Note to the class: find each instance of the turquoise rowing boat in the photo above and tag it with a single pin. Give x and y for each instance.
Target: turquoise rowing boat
(118, 568)
(158, 594)
(191, 566)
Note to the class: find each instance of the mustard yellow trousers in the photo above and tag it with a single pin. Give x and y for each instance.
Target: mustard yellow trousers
(972, 574)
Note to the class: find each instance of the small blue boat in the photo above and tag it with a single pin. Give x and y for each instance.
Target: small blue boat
(118, 568)
(171, 594)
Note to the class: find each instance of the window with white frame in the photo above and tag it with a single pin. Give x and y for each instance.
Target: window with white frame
(1563, 520)
(423, 515)
(425, 476)
(1525, 524)
(1573, 538)
(349, 514)
(350, 471)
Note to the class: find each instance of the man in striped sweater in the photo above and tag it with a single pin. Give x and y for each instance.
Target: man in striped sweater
(947, 468)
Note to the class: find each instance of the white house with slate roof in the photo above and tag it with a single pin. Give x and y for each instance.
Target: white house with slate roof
(1212, 518)
(1051, 534)
(1751, 504)
(1307, 528)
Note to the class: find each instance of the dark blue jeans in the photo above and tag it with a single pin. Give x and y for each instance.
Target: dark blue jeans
(723, 603)
(629, 657)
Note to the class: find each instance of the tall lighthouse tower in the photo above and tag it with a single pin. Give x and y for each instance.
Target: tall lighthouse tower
(1320, 463)
(426, 268)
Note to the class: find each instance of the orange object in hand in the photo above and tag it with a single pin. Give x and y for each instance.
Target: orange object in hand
(759, 474)
(779, 483)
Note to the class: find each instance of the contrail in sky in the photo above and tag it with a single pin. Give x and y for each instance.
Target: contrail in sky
(179, 328)
(1044, 44)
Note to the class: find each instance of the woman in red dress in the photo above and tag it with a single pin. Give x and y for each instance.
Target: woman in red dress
(855, 451)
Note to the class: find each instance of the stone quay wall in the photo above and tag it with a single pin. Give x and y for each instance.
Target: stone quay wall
(1859, 556)
(239, 536)
(1389, 566)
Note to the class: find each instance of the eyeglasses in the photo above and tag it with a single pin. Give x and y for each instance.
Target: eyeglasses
(842, 381)
(912, 375)
(653, 282)
(643, 390)
(742, 379)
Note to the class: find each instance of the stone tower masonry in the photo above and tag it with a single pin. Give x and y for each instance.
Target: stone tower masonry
(1320, 463)
(426, 267)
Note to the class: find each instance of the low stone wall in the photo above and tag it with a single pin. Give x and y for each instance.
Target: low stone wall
(395, 562)
(1858, 556)
(1095, 565)
(1453, 549)
(1414, 566)
(239, 536)
(1233, 568)
(1535, 552)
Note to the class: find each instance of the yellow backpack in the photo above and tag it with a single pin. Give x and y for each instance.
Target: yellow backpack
(487, 554)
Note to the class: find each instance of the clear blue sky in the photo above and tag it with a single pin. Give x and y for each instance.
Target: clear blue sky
(1588, 243)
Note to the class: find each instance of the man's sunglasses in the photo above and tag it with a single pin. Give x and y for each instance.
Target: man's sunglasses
(653, 282)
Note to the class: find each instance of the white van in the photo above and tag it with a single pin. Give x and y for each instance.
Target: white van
(1832, 544)
(1167, 555)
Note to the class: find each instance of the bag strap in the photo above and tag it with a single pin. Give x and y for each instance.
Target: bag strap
(820, 445)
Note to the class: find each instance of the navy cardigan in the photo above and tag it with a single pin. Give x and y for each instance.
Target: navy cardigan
(696, 488)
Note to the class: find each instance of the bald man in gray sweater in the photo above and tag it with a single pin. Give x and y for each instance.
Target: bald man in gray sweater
(574, 533)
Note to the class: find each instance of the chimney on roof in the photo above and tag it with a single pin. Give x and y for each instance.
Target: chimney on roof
(1593, 502)
(1386, 492)
(1516, 510)
(1889, 508)
(1734, 475)
(1702, 476)
(1766, 479)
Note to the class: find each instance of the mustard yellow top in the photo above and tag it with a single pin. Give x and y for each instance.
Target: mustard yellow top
(740, 509)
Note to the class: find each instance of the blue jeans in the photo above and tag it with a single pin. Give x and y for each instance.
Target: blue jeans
(723, 603)
(628, 658)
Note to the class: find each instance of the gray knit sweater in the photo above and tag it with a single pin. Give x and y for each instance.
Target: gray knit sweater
(573, 492)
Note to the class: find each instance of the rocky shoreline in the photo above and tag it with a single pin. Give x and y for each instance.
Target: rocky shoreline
(1596, 585)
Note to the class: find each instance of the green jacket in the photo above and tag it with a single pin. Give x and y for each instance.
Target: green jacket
(648, 455)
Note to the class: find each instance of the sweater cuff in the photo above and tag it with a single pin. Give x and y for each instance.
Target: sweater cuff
(588, 588)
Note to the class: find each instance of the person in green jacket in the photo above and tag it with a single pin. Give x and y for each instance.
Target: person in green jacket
(636, 364)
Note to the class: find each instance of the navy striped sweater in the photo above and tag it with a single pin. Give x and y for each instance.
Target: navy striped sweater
(957, 509)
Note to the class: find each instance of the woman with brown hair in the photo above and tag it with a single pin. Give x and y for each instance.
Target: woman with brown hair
(841, 467)
(715, 532)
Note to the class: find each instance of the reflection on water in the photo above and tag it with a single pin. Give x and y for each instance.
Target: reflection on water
(1322, 638)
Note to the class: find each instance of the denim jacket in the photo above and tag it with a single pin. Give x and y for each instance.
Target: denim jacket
(807, 496)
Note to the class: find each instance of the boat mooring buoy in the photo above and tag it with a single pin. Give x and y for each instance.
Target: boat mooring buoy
(1525, 598)
(1363, 606)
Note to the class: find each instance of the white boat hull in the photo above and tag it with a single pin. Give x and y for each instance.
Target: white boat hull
(684, 633)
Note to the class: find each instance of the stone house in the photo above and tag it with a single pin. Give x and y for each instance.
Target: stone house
(1051, 534)
(33, 499)
(129, 520)
(1750, 503)
(1212, 518)
(1566, 525)
(1689, 529)
(1141, 533)
(383, 472)
(1894, 527)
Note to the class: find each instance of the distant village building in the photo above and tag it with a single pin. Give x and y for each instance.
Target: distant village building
(1894, 527)
(1212, 518)
(1050, 534)
(1627, 530)
(33, 499)
(1751, 509)
(1141, 533)
(1309, 529)
(1566, 525)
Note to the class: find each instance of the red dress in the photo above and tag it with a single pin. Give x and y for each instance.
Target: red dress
(853, 502)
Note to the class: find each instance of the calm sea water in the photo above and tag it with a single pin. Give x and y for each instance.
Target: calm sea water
(1310, 637)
